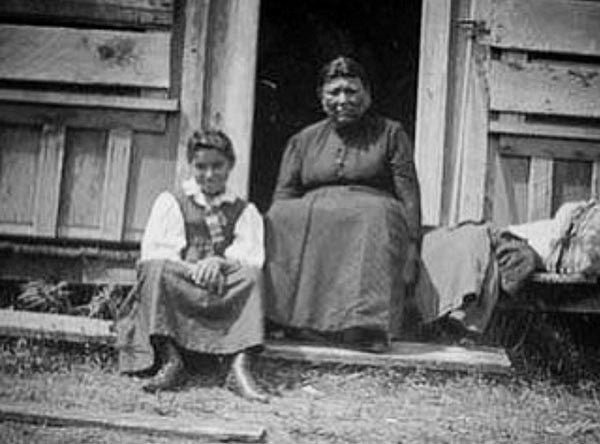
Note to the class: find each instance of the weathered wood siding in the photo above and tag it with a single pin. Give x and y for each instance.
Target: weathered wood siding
(513, 114)
(88, 115)
(544, 86)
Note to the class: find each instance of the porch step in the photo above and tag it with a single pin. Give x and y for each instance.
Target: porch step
(428, 356)
(402, 355)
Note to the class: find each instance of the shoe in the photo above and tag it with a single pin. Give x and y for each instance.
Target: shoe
(171, 374)
(366, 340)
(241, 381)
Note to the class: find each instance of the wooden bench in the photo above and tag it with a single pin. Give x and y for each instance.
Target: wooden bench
(553, 292)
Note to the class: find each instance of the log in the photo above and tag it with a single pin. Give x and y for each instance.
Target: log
(219, 431)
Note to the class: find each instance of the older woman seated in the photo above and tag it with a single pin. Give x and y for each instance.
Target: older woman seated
(344, 229)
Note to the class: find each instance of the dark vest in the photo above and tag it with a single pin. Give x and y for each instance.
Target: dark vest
(197, 235)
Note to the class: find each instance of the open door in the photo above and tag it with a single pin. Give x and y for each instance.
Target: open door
(296, 39)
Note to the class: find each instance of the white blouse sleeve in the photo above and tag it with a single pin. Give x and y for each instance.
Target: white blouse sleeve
(164, 236)
(248, 242)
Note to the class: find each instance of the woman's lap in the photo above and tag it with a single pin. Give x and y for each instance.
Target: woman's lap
(170, 304)
(339, 268)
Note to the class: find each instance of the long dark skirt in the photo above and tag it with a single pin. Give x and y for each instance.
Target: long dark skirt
(168, 303)
(334, 260)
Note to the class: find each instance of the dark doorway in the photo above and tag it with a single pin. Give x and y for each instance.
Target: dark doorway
(296, 38)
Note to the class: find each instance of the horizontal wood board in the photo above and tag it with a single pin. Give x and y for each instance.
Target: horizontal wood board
(552, 148)
(84, 56)
(561, 26)
(545, 88)
(125, 13)
(90, 100)
(554, 130)
(77, 117)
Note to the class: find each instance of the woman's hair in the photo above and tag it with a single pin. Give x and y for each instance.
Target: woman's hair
(211, 140)
(343, 66)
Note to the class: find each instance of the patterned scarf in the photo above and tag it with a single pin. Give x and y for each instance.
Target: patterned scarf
(215, 221)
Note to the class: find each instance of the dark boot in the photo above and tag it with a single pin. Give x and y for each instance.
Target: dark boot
(367, 340)
(241, 381)
(172, 371)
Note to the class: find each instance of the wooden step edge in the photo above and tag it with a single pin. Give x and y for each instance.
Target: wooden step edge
(219, 431)
(403, 354)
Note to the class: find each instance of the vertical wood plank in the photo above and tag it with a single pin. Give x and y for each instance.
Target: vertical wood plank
(539, 190)
(192, 77)
(83, 181)
(510, 188)
(232, 42)
(595, 184)
(511, 196)
(572, 181)
(115, 184)
(19, 152)
(152, 170)
(469, 120)
(431, 105)
(50, 165)
(474, 141)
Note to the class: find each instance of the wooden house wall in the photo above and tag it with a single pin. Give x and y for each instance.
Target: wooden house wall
(544, 87)
(88, 124)
(508, 117)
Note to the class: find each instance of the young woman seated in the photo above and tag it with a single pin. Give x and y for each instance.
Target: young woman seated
(198, 277)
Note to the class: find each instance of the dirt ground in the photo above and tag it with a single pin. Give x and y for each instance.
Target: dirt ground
(311, 404)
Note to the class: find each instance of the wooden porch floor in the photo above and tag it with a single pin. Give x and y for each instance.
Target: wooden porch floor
(402, 355)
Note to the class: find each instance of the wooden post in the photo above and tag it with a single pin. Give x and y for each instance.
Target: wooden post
(231, 72)
(192, 77)
(431, 105)
(469, 186)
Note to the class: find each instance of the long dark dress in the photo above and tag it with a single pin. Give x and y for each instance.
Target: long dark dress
(168, 303)
(345, 207)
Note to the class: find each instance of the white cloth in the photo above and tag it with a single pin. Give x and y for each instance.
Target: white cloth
(543, 234)
(164, 236)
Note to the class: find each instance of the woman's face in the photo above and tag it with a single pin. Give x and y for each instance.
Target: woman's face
(211, 170)
(345, 99)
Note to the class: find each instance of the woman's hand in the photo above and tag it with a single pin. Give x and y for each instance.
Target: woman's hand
(208, 273)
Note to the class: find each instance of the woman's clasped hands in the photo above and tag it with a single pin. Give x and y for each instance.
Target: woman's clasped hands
(210, 273)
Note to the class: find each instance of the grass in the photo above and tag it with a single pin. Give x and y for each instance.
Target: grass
(314, 404)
